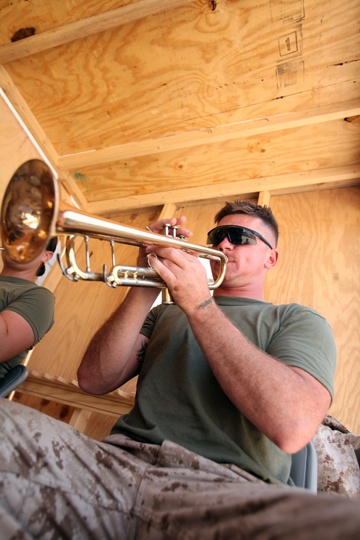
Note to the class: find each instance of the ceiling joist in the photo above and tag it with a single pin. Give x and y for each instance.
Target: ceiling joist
(216, 134)
(285, 183)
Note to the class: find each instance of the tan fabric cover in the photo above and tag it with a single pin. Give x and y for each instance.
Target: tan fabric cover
(338, 454)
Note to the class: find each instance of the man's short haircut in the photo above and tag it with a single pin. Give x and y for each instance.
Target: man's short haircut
(249, 208)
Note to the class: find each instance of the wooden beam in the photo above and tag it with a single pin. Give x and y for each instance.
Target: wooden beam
(26, 118)
(86, 27)
(264, 198)
(293, 182)
(189, 139)
(167, 211)
(80, 419)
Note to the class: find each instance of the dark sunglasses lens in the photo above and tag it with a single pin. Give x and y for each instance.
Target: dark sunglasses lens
(245, 237)
(216, 236)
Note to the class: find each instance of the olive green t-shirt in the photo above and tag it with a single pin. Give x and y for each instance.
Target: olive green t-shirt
(34, 303)
(179, 399)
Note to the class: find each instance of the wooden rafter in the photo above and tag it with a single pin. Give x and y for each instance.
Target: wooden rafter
(219, 133)
(285, 183)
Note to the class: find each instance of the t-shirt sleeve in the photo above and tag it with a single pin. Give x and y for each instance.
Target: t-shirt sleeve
(149, 323)
(36, 306)
(306, 341)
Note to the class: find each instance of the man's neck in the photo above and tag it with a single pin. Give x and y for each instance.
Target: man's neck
(241, 292)
(21, 274)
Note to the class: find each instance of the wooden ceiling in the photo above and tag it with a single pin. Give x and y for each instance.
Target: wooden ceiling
(138, 103)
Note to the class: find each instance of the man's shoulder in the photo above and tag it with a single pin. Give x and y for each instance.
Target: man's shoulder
(294, 309)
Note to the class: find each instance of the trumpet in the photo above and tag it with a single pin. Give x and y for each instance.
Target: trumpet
(31, 214)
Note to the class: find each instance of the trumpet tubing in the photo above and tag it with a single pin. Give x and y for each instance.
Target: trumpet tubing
(31, 214)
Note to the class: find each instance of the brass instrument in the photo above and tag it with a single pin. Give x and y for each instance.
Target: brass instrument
(31, 214)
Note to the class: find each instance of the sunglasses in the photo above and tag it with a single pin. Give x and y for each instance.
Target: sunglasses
(238, 236)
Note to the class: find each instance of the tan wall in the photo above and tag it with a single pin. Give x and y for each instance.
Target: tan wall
(319, 267)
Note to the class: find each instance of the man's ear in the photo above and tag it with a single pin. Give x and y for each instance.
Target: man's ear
(272, 259)
(47, 256)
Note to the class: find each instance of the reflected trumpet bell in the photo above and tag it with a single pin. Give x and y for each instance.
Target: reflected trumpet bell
(28, 210)
(31, 213)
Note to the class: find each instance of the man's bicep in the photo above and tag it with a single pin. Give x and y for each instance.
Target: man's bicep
(16, 335)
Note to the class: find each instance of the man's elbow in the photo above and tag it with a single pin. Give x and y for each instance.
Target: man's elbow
(293, 438)
(291, 444)
(86, 381)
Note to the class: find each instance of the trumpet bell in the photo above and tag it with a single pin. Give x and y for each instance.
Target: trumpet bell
(28, 210)
(31, 215)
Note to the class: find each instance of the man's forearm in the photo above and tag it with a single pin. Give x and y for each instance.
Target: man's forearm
(110, 358)
(284, 403)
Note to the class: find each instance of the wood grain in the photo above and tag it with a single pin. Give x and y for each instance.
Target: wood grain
(319, 267)
(240, 160)
(75, 30)
(187, 83)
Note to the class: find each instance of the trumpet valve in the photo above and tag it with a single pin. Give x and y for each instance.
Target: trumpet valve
(170, 230)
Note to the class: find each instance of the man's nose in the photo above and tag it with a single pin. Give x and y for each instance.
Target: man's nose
(225, 244)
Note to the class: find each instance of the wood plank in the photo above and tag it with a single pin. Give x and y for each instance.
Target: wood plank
(347, 175)
(15, 146)
(189, 139)
(80, 419)
(86, 27)
(60, 411)
(26, 120)
(69, 393)
(264, 198)
(167, 211)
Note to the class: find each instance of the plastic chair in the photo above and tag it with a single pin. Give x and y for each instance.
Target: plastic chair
(303, 470)
(12, 379)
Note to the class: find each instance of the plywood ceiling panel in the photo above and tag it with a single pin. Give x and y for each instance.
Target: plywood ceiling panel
(179, 95)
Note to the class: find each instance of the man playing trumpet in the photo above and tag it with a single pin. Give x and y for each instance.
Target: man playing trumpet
(229, 387)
